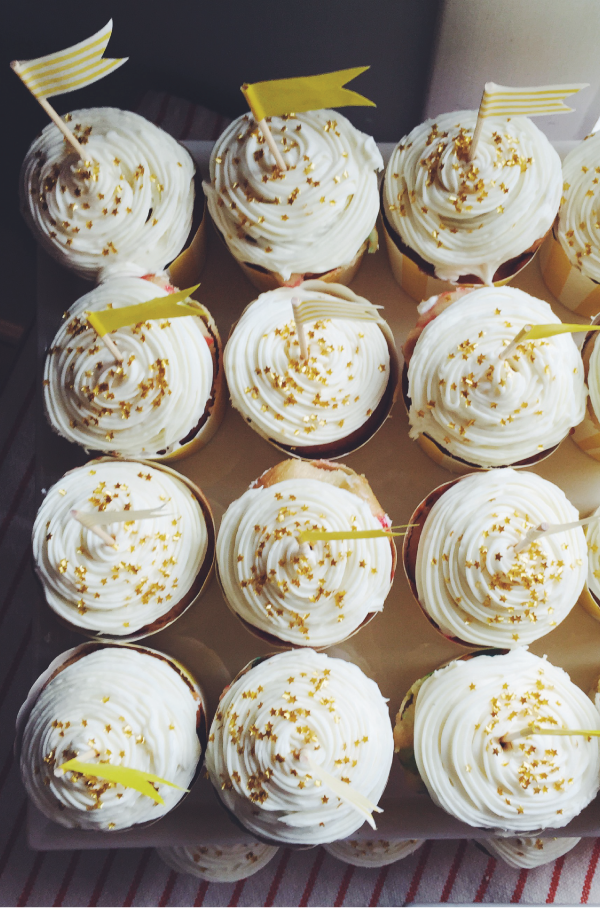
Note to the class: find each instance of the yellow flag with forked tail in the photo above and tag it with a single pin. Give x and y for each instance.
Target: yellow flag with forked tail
(285, 96)
(69, 69)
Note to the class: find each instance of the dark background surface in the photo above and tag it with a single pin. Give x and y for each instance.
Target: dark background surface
(202, 52)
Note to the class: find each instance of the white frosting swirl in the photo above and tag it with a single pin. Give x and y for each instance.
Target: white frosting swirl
(529, 852)
(578, 226)
(373, 852)
(485, 410)
(128, 207)
(311, 218)
(308, 595)
(289, 703)
(148, 405)
(219, 863)
(134, 709)
(303, 404)
(157, 559)
(540, 782)
(470, 217)
(470, 581)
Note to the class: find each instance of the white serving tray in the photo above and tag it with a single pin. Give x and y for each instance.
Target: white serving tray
(395, 649)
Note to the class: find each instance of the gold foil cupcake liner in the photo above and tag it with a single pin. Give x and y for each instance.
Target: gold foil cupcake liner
(185, 270)
(565, 281)
(587, 434)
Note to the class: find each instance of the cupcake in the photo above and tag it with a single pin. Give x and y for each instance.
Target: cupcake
(590, 598)
(303, 594)
(164, 401)
(587, 434)
(128, 209)
(374, 852)
(281, 721)
(327, 406)
(452, 221)
(471, 409)
(570, 258)
(528, 852)
(157, 566)
(110, 705)
(219, 863)
(466, 730)
(463, 569)
(315, 219)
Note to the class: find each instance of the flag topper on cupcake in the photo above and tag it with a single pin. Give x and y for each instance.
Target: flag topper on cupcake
(67, 70)
(502, 101)
(279, 97)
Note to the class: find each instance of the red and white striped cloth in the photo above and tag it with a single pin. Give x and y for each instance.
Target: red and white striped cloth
(441, 871)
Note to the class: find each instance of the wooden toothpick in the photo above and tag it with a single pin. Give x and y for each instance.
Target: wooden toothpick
(58, 120)
(264, 128)
(547, 529)
(299, 328)
(82, 518)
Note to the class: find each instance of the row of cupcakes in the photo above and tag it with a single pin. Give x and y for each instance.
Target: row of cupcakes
(301, 745)
(447, 219)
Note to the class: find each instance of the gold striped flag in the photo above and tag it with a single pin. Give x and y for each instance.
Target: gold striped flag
(69, 69)
(502, 101)
(285, 96)
(311, 310)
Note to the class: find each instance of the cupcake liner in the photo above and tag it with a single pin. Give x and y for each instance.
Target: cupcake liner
(356, 440)
(420, 286)
(201, 581)
(79, 652)
(565, 281)
(215, 406)
(185, 270)
(273, 639)
(587, 434)
(270, 280)
(457, 465)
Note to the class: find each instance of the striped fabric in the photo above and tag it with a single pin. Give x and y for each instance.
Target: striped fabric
(69, 69)
(441, 871)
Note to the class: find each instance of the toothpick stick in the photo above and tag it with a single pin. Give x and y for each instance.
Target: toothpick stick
(533, 730)
(16, 67)
(508, 351)
(97, 531)
(264, 128)
(343, 790)
(112, 347)
(547, 529)
(299, 328)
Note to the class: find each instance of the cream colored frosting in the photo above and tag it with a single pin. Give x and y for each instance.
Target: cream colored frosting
(469, 579)
(470, 217)
(540, 782)
(135, 710)
(219, 863)
(578, 227)
(118, 591)
(288, 705)
(148, 405)
(592, 533)
(373, 852)
(127, 209)
(311, 218)
(485, 410)
(299, 404)
(529, 852)
(308, 595)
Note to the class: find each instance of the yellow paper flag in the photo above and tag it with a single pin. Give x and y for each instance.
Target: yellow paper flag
(310, 310)
(69, 69)
(285, 96)
(332, 535)
(171, 306)
(121, 775)
(502, 101)
(538, 332)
